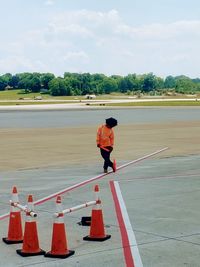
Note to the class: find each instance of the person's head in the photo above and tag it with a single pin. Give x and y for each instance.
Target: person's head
(111, 122)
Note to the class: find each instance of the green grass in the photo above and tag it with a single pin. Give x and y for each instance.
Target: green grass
(12, 97)
(156, 103)
(13, 103)
(16, 94)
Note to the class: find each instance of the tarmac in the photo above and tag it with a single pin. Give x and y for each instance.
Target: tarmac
(161, 196)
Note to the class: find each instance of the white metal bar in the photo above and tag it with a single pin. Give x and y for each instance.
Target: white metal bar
(78, 207)
(23, 208)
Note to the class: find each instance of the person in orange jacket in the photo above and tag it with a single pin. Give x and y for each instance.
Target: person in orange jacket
(105, 141)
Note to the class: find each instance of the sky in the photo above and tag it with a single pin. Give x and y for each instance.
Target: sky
(113, 37)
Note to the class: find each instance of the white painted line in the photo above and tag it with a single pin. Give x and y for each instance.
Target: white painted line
(127, 233)
(142, 158)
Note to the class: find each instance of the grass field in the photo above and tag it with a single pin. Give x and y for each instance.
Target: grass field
(157, 103)
(14, 103)
(18, 97)
(18, 94)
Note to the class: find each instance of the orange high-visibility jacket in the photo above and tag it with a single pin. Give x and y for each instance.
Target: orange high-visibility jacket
(105, 136)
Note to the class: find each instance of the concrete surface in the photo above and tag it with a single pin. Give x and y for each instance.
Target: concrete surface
(161, 194)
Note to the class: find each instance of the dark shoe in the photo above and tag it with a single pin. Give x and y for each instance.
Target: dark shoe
(105, 171)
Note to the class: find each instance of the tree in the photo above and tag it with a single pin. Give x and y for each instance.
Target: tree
(6, 78)
(14, 82)
(45, 79)
(73, 84)
(185, 85)
(117, 79)
(159, 83)
(2, 84)
(95, 81)
(132, 82)
(85, 80)
(149, 82)
(25, 81)
(34, 84)
(59, 87)
(108, 86)
(123, 86)
(170, 82)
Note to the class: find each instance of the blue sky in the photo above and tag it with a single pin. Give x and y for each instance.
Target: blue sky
(102, 36)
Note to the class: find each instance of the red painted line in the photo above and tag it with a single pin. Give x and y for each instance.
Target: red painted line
(125, 241)
(4, 216)
(42, 200)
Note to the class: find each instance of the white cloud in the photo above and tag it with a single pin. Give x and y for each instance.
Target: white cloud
(93, 41)
(49, 2)
(73, 29)
(85, 23)
(14, 63)
(92, 18)
(80, 55)
(160, 31)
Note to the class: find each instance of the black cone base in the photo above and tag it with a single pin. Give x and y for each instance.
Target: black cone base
(86, 221)
(100, 239)
(10, 242)
(63, 256)
(28, 254)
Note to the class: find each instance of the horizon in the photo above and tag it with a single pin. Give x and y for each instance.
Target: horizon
(137, 74)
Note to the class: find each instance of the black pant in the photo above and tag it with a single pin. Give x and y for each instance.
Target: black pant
(106, 156)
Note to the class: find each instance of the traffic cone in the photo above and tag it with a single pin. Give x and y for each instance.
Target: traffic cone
(97, 232)
(31, 244)
(15, 234)
(114, 165)
(59, 242)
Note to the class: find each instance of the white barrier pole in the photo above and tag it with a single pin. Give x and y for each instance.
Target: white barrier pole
(78, 207)
(65, 190)
(23, 208)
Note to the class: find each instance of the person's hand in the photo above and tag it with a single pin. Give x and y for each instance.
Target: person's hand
(110, 148)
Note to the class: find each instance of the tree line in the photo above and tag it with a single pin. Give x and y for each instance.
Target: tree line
(86, 83)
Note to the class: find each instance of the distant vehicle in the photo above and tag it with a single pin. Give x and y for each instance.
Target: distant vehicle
(38, 98)
(90, 96)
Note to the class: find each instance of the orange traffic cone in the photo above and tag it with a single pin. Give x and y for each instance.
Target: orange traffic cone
(114, 165)
(59, 242)
(31, 244)
(97, 232)
(15, 234)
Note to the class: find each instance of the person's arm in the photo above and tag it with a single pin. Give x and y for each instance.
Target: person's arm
(98, 137)
(112, 138)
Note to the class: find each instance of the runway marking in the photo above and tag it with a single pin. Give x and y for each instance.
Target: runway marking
(162, 177)
(142, 158)
(131, 252)
(42, 200)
